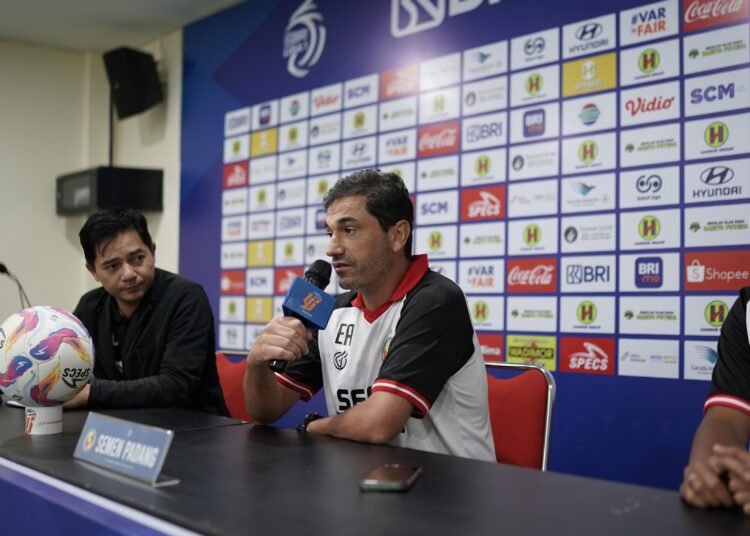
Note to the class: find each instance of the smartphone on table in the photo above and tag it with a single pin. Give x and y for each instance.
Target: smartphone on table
(391, 477)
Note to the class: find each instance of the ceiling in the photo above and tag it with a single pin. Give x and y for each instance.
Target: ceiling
(99, 25)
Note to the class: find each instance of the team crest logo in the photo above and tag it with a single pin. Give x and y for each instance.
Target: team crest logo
(359, 120)
(716, 134)
(534, 84)
(89, 440)
(483, 165)
(532, 234)
(436, 241)
(387, 347)
(586, 312)
(649, 60)
(588, 151)
(304, 39)
(649, 227)
(481, 311)
(715, 313)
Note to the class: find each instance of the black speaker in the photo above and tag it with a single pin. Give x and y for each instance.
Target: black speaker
(133, 79)
(109, 187)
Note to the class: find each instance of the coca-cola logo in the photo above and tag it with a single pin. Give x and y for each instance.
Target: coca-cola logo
(700, 14)
(640, 105)
(533, 275)
(439, 139)
(539, 275)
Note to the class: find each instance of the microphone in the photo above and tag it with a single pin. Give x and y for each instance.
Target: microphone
(307, 301)
(21, 291)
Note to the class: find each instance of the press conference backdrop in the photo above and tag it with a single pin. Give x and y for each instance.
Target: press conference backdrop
(580, 169)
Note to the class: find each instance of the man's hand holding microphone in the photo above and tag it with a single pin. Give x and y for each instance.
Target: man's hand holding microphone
(307, 308)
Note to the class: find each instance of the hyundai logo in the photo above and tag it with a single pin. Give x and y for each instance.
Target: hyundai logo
(717, 175)
(587, 32)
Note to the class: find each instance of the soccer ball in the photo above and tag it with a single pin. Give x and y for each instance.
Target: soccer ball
(46, 357)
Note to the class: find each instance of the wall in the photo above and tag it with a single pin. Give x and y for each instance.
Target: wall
(53, 107)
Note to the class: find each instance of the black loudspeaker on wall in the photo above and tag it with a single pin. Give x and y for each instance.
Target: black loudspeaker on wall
(133, 79)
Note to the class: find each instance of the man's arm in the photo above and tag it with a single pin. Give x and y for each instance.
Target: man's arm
(283, 338)
(702, 485)
(378, 419)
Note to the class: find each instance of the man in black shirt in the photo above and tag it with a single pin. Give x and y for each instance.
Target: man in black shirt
(153, 331)
(718, 473)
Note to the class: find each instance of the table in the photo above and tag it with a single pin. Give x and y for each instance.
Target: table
(240, 478)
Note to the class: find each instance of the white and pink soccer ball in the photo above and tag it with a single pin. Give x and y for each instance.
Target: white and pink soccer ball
(46, 357)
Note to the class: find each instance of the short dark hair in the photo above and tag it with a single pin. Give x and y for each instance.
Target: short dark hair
(387, 198)
(102, 227)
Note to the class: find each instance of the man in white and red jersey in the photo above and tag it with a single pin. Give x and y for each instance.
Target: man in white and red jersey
(718, 473)
(399, 361)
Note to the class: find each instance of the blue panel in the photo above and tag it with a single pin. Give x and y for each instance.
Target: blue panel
(628, 425)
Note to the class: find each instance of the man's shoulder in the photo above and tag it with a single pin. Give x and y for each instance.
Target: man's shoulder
(437, 287)
(92, 298)
(168, 282)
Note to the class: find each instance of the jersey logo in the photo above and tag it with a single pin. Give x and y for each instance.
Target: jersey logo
(340, 359)
(386, 347)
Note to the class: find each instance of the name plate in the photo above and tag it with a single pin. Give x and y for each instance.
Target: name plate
(124, 447)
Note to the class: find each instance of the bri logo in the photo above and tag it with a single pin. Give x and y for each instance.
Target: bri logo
(413, 16)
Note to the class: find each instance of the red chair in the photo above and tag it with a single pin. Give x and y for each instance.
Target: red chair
(521, 413)
(230, 378)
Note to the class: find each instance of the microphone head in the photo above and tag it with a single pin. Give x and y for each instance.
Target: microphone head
(4, 270)
(319, 274)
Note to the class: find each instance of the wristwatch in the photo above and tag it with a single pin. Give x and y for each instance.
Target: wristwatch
(310, 417)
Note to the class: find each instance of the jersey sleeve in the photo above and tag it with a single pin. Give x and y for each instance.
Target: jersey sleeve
(730, 383)
(432, 341)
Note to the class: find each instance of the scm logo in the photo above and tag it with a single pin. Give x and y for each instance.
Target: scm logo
(432, 14)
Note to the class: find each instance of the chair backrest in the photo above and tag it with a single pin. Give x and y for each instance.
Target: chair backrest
(521, 414)
(230, 378)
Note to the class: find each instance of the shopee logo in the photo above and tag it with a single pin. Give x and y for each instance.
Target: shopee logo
(717, 270)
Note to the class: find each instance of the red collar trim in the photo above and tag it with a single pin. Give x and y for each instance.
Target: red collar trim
(413, 275)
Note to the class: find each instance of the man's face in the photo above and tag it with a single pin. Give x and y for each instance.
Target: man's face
(358, 246)
(125, 268)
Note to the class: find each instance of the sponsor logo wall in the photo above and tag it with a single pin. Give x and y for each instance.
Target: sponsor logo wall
(587, 185)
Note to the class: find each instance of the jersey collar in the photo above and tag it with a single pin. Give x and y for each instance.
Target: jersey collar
(413, 275)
